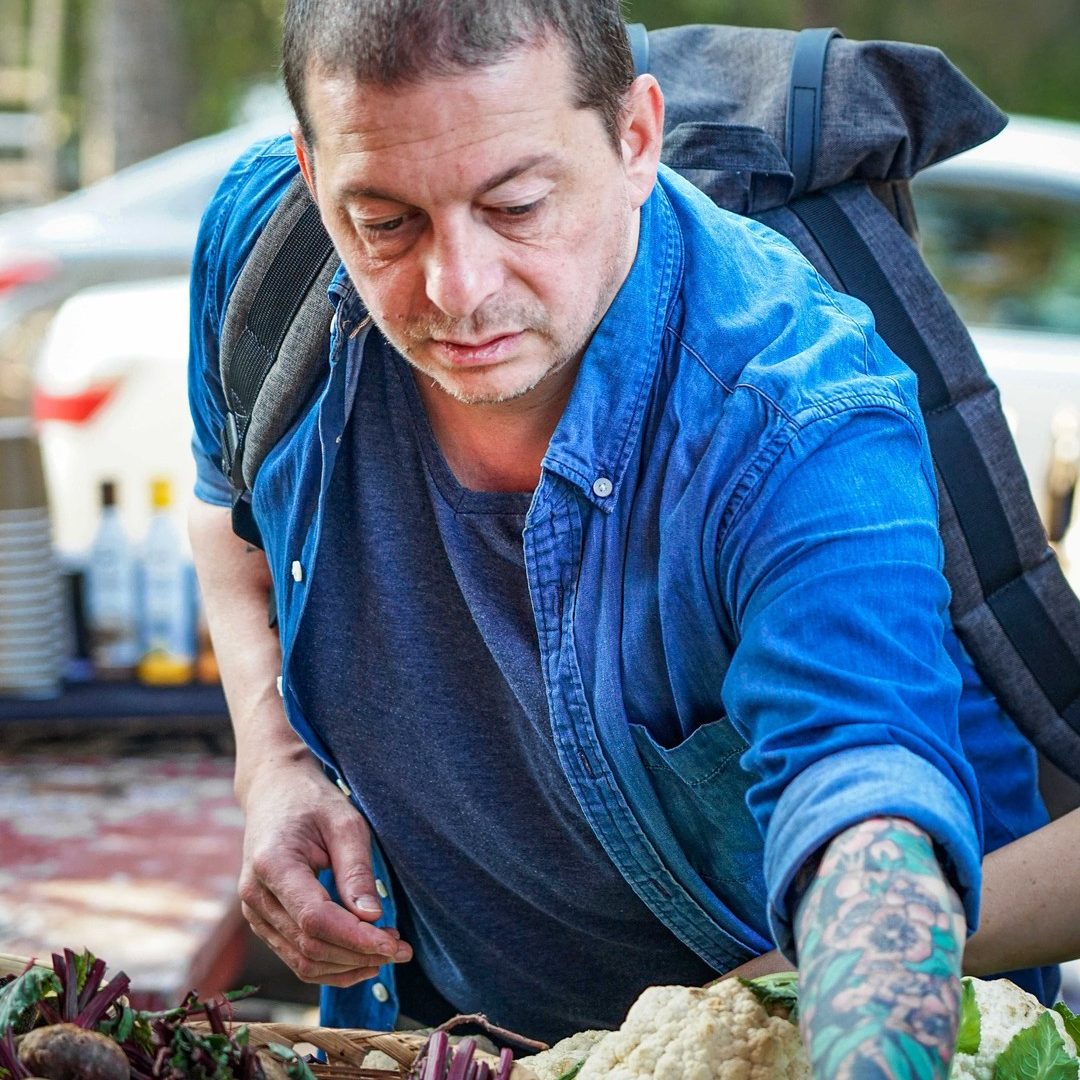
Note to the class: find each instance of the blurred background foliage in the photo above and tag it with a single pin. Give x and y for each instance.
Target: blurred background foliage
(209, 54)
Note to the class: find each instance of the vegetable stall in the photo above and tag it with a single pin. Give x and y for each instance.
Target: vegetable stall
(68, 1021)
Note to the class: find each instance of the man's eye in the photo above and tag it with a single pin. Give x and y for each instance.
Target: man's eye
(519, 211)
(381, 228)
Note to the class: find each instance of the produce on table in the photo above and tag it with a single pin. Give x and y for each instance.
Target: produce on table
(68, 1024)
(746, 1030)
(1007, 1034)
(439, 1061)
(564, 1057)
(721, 1032)
(70, 1052)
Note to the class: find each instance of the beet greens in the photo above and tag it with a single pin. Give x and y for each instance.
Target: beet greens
(158, 1045)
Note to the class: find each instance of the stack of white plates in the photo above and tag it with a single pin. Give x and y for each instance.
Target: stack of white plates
(33, 628)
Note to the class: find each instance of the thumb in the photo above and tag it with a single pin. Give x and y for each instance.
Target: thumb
(350, 860)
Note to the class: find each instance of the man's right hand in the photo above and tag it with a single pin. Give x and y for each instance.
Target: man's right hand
(298, 823)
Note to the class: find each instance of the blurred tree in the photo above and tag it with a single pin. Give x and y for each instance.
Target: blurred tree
(233, 46)
(1025, 60)
(135, 83)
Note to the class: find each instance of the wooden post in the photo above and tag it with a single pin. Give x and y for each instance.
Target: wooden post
(30, 50)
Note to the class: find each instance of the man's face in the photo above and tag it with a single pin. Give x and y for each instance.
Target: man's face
(486, 222)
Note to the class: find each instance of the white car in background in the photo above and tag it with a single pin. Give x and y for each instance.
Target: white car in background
(1000, 227)
(138, 224)
(110, 402)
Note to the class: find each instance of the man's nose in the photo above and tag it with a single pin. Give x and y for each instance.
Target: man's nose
(461, 269)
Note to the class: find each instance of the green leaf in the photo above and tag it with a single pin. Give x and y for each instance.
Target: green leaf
(571, 1073)
(969, 1034)
(297, 1068)
(1037, 1053)
(84, 961)
(1072, 1021)
(25, 992)
(779, 990)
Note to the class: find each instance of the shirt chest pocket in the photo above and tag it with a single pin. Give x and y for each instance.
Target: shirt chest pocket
(702, 789)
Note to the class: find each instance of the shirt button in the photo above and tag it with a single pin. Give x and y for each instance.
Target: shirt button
(297, 571)
(602, 487)
(344, 788)
(380, 992)
(280, 686)
(381, 888)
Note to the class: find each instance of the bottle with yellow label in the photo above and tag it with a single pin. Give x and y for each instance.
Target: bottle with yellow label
(168, 635)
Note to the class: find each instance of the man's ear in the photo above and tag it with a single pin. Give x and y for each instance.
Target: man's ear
(642, 135)
(306, 160)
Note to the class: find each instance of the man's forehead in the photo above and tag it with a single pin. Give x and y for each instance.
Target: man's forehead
(530, 83)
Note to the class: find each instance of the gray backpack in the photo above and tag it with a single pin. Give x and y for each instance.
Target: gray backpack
(817, 137)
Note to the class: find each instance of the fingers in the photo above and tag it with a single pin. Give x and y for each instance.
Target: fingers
(321, 950)
(293, 885)
(313, 959)
(291, 833)
(305, 968)
(350, 860)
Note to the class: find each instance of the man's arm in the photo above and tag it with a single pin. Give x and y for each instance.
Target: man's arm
(1027, 913)
(880, 936)
(296, 821)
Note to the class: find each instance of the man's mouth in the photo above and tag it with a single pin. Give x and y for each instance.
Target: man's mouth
(491, 350)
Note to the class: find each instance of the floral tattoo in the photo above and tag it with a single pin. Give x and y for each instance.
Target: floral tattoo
(880, 936)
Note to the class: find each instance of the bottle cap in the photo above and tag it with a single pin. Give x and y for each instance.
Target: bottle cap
(108, 492)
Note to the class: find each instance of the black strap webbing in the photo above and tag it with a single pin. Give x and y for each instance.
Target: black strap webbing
(982, 518)
(803, 123)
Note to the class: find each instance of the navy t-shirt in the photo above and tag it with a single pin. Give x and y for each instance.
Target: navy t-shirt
(439, 722)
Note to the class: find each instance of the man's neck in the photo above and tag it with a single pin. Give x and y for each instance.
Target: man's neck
(497, 447)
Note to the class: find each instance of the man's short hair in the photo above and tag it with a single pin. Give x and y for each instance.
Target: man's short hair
(398, 42)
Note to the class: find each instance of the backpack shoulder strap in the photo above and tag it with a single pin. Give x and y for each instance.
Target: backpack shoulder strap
(1012, 607)
(803, 121)
(273, 341)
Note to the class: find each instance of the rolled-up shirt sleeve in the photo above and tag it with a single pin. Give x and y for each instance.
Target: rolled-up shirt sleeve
(841, 681)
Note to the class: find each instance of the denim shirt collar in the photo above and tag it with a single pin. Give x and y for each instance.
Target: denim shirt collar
(596, 435)
(342, 288)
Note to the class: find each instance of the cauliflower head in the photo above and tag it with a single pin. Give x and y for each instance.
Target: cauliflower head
(1004, 1009)
(563, 1056)
(721, 1032)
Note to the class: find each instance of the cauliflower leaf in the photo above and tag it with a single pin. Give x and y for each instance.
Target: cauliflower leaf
(777, 991)
(969, 1033)
(1037, 1053)
(1072, 1021)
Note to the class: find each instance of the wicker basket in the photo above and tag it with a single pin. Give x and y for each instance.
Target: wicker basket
(347, 1048)
(16, 965)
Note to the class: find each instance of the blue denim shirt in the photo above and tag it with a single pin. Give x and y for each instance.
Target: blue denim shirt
(734, 565)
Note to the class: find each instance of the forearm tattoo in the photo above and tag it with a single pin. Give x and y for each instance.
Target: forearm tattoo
(880, 936)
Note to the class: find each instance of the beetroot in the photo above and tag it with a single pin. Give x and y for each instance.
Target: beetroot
(70, 1052)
